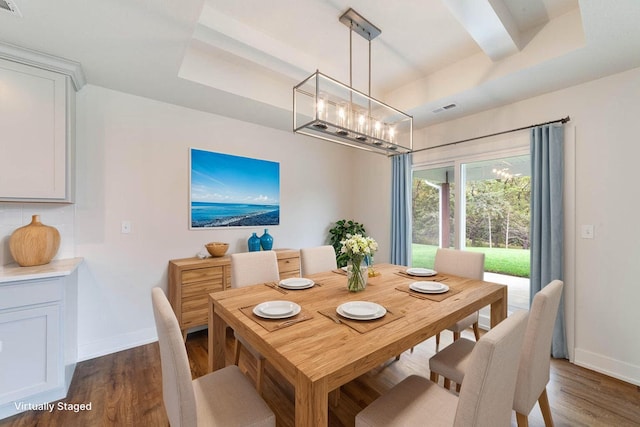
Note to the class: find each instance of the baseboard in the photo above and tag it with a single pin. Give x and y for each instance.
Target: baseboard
(605, 365)
(116, 343)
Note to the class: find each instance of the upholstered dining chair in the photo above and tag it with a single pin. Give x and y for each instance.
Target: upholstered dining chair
(485, 400)
(222, 398)
(463, 264)
(318, 259)
(533, 371)
(250, 268)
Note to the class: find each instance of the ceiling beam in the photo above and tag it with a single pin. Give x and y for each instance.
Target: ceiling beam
(490, 24)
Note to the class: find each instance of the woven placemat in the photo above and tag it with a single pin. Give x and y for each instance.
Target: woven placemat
(433, 297)
(363, 326)
(275, 324)
(435, 278)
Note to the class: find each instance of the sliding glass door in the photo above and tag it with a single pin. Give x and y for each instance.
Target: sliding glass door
(486, 209)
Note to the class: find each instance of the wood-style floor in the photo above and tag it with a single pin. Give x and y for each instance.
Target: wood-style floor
(125, 389)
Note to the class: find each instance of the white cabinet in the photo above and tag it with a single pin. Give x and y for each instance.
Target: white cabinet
(38, 334)
(36, 142)
(37, 123)
(31, 352)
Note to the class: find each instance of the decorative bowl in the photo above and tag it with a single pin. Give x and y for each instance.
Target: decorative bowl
(217, 248)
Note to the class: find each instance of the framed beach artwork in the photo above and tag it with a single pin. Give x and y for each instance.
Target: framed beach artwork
(233, 191)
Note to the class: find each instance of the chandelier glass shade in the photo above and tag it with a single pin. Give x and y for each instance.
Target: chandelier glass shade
(328, 109)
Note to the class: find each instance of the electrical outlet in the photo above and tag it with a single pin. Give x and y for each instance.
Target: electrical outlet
(125, 227)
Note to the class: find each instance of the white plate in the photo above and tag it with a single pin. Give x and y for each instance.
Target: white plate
(429, 287)
(296, 283)
(276, 309)
(361, 310)
(422, 272)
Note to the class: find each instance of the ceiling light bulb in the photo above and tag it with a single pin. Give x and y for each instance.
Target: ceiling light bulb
(392, 134)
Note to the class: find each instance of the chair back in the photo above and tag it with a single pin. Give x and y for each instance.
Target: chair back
(460, 263)
(177, 387)
(486, 397)
(249, 268)
(318, 259)
(533, 373)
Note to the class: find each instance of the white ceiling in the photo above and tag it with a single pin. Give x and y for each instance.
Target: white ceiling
(241, 58)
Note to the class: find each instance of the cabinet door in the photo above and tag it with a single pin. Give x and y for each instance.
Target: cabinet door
(31, 352)
(33, 119)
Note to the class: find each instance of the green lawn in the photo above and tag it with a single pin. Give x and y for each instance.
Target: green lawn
(513, 262)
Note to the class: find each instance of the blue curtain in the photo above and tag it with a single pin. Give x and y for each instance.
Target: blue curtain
(401, 209)
(547, 219)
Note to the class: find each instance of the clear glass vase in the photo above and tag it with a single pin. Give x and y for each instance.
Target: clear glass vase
(357, 274)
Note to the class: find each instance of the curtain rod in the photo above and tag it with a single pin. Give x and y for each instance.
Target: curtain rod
(564, 120)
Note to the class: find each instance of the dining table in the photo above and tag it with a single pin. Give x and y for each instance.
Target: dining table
(319, 349)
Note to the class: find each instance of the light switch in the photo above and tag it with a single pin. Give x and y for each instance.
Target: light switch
(587, 231)
(125, 227)
(0, 346)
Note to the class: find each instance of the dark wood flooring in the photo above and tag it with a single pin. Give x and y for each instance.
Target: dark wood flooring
(125, 389)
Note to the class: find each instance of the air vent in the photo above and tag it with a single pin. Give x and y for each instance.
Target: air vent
(445, 108)
(11, 7)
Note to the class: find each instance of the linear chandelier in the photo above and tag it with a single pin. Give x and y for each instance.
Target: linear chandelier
(327, 109)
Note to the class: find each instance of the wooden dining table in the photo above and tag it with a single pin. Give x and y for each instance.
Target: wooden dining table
(318, 350)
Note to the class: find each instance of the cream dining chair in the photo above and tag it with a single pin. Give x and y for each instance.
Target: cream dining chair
(533, 372)
(250, 268)
(485, 400)
(222, 398)
(463, 264)
(318, 259)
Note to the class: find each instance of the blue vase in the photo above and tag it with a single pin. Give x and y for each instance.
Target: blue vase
(266, 241)
(254, 243)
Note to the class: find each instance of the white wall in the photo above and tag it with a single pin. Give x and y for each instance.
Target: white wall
(371, 175)
(602, 291)
(132, 164)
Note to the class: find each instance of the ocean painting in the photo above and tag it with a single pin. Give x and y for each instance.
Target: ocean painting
(233, 191)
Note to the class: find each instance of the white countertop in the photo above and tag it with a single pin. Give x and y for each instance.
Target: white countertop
(56, 268)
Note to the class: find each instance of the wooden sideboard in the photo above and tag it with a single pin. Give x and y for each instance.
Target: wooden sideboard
(192, 279)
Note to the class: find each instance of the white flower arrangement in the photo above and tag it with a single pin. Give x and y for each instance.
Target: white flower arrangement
(358, 246)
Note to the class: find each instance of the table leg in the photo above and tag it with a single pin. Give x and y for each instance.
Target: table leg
(499, 309)
(312, 402)
(216, 340)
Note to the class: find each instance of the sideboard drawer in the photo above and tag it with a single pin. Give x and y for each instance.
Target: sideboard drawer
(289, 265)
(30, 292)
(196, 289)
(201, 274)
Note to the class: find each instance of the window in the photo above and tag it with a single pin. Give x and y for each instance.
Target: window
(488, 211)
